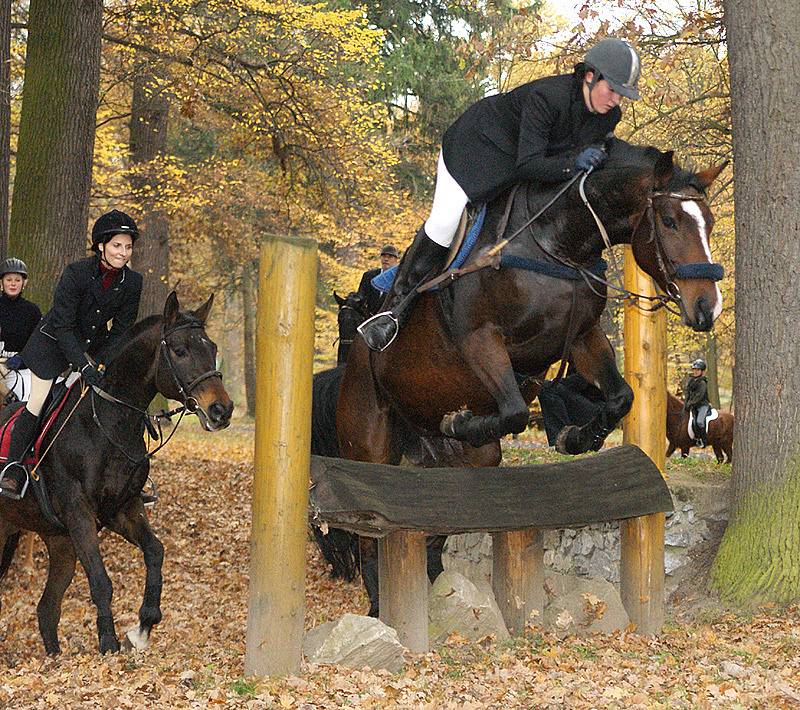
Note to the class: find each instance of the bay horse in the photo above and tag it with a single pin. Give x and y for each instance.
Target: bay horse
(98, 464)
(720, 432)
(455, 368)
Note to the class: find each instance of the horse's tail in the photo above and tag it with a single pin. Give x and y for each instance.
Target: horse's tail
(340, 550)
(8, 552)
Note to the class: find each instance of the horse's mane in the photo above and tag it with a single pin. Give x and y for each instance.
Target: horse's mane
(147, 323)
(624, 155)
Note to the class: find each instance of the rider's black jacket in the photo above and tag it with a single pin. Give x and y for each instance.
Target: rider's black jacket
(532, 133)
(18, 318)
(696, 392)
(373, 299)
(76, 325)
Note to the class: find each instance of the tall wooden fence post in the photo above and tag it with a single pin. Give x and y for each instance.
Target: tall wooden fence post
(642, 539)
(284, 357)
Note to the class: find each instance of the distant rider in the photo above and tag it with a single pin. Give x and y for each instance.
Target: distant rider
(696, 401)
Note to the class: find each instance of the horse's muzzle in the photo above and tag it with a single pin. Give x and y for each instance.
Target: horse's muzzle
(217, 416)
(702, 319)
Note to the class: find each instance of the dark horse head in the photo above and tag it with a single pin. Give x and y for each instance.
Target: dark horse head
(661, 210)
(352, 313)
(182, 363)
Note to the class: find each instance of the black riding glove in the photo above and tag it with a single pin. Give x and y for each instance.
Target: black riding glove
(91, 375)
(590, 158)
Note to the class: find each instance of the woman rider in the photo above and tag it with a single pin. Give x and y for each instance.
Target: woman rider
(18, 318)
(73, 333)
(542, 131)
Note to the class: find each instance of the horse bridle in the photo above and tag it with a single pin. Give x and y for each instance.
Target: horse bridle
(669, 269)
(185, 389)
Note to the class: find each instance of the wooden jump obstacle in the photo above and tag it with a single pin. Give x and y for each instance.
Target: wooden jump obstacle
(287, 290)
(401, 504)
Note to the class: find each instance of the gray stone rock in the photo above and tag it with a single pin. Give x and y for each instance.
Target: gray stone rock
(355, 641)
(457, 605)
(469, 554)
(582, 606)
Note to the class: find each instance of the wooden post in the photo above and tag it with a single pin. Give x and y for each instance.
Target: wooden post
(518, 576)
(403, 587)
(642, 539)
(285, 354)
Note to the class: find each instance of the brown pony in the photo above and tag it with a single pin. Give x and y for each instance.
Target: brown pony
(720, 431)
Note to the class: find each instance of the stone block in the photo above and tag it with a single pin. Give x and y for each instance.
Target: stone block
(582, 606)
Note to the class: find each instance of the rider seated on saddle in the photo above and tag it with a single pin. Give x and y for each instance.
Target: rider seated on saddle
(547, 131)
(74, 333)
(373, 298)
(696, 400)
(18, 319)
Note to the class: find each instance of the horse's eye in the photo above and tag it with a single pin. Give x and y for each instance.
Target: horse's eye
(181, 352)
(668, 222)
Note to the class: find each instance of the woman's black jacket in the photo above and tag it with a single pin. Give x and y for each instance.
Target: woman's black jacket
(77, 324)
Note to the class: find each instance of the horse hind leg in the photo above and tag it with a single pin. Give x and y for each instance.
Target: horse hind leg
(60, 571)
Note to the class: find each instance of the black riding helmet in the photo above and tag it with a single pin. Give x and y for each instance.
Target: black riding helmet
(618, 63)
(699, 364)
(111, 223)
(14, 266)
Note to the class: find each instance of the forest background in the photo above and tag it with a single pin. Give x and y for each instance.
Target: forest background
(219, 122)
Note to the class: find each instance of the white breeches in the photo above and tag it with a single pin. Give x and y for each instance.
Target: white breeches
(449, 201)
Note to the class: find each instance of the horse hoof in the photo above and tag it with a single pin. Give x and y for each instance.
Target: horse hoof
(135, 639)
(453, 420)
(565, 443)
(109, 644)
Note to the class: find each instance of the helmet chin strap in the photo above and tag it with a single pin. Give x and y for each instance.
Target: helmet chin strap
(590, 85)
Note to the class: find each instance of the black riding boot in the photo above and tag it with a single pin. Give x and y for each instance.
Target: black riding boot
(14, 475)
(421, 259)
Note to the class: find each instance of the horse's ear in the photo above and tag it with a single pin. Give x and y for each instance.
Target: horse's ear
(707, 176)
(663, 169)
(202, 313)
(171, 308)
(341, 301)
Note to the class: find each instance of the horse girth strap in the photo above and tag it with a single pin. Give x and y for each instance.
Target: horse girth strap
(491, 256)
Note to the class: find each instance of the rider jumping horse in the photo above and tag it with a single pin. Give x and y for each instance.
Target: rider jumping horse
(98, 464)
(454, 368)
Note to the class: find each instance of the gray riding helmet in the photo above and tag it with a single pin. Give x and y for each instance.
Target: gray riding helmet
(618, 63)
(699, 364)
(14, 266)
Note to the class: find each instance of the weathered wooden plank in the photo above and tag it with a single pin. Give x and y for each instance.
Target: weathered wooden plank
(403, 587)
(518, 576)
(376, 499)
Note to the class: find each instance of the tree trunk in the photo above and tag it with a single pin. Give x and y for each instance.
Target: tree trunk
(56, 139)
(712, 374)
(759, 558)
(148, 141)
(249, 300)
(5, 120)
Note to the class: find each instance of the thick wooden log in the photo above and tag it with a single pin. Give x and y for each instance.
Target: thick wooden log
(642, 539)
(285, 352)
(403, 587)
(376, 499)
(518, 577)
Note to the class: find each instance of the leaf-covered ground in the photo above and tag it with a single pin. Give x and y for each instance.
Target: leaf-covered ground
(196, 658)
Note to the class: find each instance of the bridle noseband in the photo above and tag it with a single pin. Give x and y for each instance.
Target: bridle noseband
(185, 389)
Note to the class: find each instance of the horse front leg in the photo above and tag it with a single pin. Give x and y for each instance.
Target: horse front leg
(83, 532)
(132, 524)
(485, 352)
(60, 571)
(593, 357)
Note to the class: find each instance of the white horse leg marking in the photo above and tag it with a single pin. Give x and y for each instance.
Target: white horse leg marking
(137, 638)
(693, 210)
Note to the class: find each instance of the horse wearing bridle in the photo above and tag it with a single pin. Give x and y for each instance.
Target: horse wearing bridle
(95, 463)
(352, 312)
(455, 367)
(719, 435)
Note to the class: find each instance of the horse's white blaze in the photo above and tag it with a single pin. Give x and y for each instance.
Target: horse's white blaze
(693, 210)
(137, 638)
